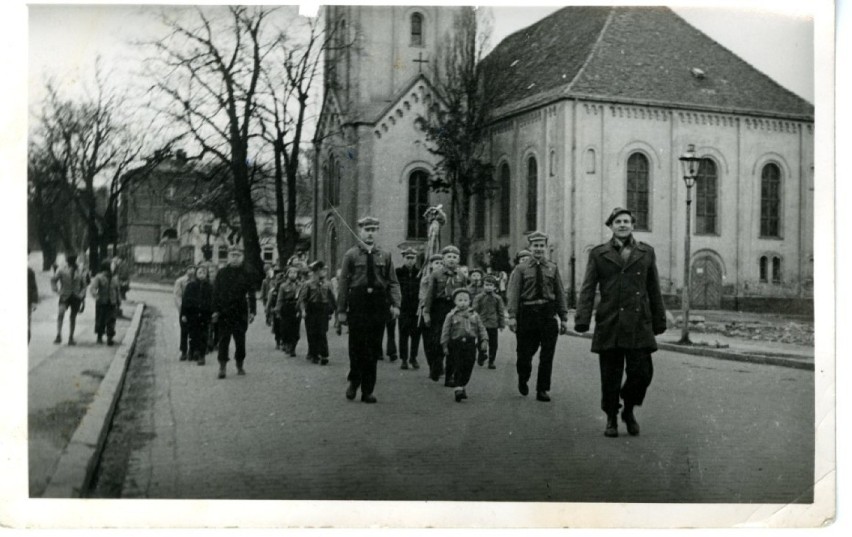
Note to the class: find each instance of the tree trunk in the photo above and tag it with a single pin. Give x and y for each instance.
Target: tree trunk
(280, 234)
(245, 209)
(464, 228)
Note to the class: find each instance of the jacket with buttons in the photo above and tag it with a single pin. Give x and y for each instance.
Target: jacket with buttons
(522, 287)
(463, 324)
(353, 275)
(631, 309)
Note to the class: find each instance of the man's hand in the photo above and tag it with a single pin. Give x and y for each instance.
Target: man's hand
(394, 311)
(427, 319)
(513, 324)
(581, 328)
(215, 316)
(251, 318)
(563, 328)
(183, 319)
(483, 347)
(341, 318)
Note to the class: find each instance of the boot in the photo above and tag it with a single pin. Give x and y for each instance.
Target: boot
(221, 371)
(201, 359)
(611, 425)
(404, 364)
(100, 340)
(58, 339)
(182, 357)
(351, 391)
(110, 341)
(630, 420)
(414, 364)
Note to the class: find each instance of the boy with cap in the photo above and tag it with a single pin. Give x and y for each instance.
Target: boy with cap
(629, 316)
(475, 287)
(106, 290)
(234, 308)
(287, 312)
(489, 306)
(461, 333)
(316, 304)
(436, 306)
(180, 287)
(536, 297)
(69, 283)
(409, 287)
(368, 294)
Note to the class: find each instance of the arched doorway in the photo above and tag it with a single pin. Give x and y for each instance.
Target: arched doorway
(706, 284)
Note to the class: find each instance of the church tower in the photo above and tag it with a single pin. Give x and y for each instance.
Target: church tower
(370, 156)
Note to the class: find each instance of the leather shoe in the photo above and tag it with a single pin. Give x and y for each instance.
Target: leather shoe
(351, 391)
(523, 388)
(611, 425)
(414, 364)
(241, 371)
(403, 365)
(459, 396)
(368, 398)
(542, 396)
(492, 366)
(630, 421)
(221, 373)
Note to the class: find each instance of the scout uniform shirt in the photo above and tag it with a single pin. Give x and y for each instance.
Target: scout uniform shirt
(490, 308)
(288, 293)
(353, 275)
(442, 283)
(317, 293)
(525, 291)
(463, 325)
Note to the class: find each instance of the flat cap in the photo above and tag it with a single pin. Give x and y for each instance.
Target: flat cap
(474, 270)
(436, 257)
(450, 249)
(537, 236)
(461, 290)
(523, 253)
(317, 265)
(490, 279)
(615, 212)
(368, 221)
(409, 252)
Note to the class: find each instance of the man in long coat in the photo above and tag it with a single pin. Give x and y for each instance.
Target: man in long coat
(630, 314)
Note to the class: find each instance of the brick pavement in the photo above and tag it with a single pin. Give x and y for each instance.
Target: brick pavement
(712, 431)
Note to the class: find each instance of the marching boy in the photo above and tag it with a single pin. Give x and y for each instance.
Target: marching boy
(316, 302)
(489, 306)
(462, 328)
(287, 310)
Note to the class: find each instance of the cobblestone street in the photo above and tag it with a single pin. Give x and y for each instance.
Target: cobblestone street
(712, 431)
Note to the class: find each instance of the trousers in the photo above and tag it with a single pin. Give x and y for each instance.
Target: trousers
(640, 370)
(232, 328)
(537, 328)
(463, 356)
(409, 336)
(367, 318)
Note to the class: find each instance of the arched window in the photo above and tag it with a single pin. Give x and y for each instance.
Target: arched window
(552, 162)
(637, 190)
(479, 216)
(417, 29)
(705, 198)
(590, 161)
(764, 269)
(532, 194)
(335, 183)
(418, 202)
(326, 186)
(776, 270)
(505, 208)
(770, 201)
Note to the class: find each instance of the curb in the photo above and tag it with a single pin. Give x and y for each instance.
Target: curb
(723, 355)
(162, 288)
(78, 462)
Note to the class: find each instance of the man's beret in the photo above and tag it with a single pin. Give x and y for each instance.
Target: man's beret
(537, 236)
(368, 221)
(409, 252)
(436, 257)
(317, 265)
(479, 270)
(450, 249)
(460, 290)
(490, 279)
(523, 253)
(615, 212)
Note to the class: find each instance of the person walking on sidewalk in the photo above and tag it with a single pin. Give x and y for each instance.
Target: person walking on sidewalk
(489, 306)
(629, 316)
(287, 312)
(369, 293)
(409, 287)
(180, 287)
(195, 311)
(536, 297)
(69, 282)
(234, 308)
(32, 300)
(436, 263)
(316, 304)
(269, 302)
(438, 303)
(461, 333)
(106, 290)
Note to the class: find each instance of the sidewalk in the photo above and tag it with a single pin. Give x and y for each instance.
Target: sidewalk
(70, 392)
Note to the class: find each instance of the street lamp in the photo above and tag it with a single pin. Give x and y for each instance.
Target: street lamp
(689, 163)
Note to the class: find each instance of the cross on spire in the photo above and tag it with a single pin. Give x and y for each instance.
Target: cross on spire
(420, 61)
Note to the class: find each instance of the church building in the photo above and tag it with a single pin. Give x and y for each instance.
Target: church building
(592, 108)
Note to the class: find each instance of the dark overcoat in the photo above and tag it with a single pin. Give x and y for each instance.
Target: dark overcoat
(631, 308)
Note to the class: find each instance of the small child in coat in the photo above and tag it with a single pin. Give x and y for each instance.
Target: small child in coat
(461, 334)
(287, 310)
(317, 305)
(491, 310)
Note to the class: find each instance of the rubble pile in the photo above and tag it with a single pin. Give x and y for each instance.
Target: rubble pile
(792, 332)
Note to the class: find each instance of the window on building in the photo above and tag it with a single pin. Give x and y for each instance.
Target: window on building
(418, 202)
(479, 216)
(417, 29)
(552, 162)
(764, 269)
(776, 270)
(637, 190)
(337, 173)
(223, 253)
(505, 198)
(326, 186)
(590, 161)
(532, 194)
(770, 201)
(705, 198)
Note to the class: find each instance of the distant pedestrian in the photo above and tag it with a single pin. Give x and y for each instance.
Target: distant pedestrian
(212, 329)
(287, 311)
(491, 310)
(180, 287)
(409, 286)
(536, 298)
(475, 286)
(629, 316)
(270, 302)
(234, 308)
(106, 290)
(266, 288)
(121, 271)
(461, 334)
(438, 303)
(32, 300)
(369, 293)
(195, 312)
(69, 282)
(316, 304)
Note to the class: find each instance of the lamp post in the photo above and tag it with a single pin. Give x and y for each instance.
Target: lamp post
(689, 163)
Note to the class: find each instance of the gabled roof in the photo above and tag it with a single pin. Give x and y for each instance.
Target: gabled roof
(644, 54)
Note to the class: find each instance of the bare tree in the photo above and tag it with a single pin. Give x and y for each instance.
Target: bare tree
(455, 126)
(208, 69)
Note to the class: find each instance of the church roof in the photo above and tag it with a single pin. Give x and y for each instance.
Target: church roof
(630, 54)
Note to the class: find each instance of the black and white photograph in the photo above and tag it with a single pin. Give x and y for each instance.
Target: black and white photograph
(423, 266)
